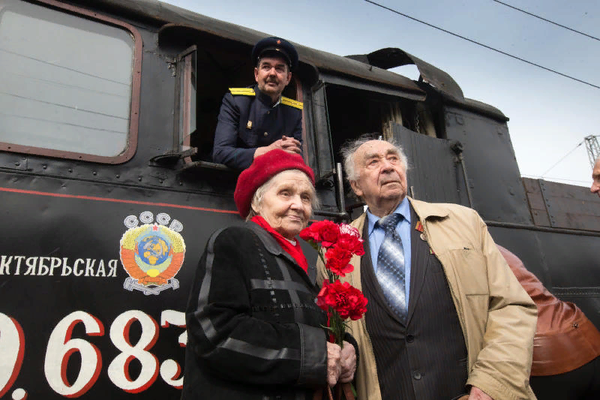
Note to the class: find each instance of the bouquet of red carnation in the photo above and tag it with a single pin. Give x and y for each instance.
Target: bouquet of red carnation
(340, 300)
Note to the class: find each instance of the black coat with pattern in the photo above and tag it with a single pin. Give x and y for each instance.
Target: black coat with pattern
(254, 330)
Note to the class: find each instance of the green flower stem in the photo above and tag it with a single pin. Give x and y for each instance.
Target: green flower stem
(337, 326)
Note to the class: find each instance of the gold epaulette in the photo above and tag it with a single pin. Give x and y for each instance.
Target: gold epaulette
(242, 91)
(291, 103)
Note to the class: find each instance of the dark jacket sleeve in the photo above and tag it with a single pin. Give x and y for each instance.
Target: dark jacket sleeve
(225, 150)
(232, 343)
(297, 132)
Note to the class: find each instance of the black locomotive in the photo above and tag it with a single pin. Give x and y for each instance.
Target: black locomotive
(108, 192)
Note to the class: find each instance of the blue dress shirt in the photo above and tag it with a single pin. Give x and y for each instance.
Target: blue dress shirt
(377, 234)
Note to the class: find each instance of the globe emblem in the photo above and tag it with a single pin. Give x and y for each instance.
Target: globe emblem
(152, 253)
(153, 250)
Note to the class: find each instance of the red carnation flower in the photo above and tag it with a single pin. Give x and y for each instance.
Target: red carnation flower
(348, 301)
(346, 229)
(340, 300)
(323, 232)
(338, 260)
(351, 243)
(350, 239)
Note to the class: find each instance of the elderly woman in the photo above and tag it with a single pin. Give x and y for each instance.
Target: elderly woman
(254, 330)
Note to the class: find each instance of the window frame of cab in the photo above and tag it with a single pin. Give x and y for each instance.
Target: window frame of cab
(324, 144)
(134, 106)
(185, 105)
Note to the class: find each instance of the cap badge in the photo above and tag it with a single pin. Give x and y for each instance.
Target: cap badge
(278, 41)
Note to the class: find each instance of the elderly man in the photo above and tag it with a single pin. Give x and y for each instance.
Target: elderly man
(447, 318)
(596, 177)
(257, 119)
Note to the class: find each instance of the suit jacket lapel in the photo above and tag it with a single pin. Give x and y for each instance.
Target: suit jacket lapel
(419, 263)
(365, 260)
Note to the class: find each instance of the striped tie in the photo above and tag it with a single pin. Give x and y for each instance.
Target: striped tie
(390, 266)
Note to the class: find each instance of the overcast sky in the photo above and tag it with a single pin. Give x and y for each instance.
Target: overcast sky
(549, 114)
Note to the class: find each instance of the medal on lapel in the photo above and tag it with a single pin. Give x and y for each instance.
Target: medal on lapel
(419, 228)
(423, 235)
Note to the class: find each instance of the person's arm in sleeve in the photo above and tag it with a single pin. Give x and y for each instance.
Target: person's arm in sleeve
(297, 132)
(503, 365)
(233, 344)
(225, 150)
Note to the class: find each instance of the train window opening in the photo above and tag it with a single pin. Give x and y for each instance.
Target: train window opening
(353, 112)
(59, 97)
(207, 76)
(347, 112)
(206, 72)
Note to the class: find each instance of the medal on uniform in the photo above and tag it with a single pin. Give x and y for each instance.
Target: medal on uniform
(249, 125)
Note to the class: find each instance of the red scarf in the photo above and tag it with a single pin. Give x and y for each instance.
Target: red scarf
(294, 251)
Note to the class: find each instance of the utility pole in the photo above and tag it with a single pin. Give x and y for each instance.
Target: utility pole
(593, 148)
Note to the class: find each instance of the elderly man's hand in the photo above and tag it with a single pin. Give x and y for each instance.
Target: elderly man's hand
(288, 144)
(348, 361)
(334, 366)
(478, 394)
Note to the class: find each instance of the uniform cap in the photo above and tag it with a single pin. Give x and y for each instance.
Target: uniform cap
(276, 45)
(262, 169)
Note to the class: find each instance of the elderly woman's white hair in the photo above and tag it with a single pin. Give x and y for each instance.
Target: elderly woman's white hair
(260, 193)
(262, 170)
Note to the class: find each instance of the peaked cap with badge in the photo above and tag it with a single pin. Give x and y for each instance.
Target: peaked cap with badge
(278, 46)
(248, 119)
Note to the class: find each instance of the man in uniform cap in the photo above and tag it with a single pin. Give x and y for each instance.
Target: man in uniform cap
(257, 119)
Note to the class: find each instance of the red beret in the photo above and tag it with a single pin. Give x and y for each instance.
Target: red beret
(262, 169)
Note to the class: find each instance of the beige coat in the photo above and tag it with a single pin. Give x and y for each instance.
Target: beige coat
(497, 317)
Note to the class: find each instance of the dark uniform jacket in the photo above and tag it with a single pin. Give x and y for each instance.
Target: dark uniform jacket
(248, 120)
(254, 330)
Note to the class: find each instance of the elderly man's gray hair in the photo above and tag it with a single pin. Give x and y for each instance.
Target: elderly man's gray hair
(349, 148)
